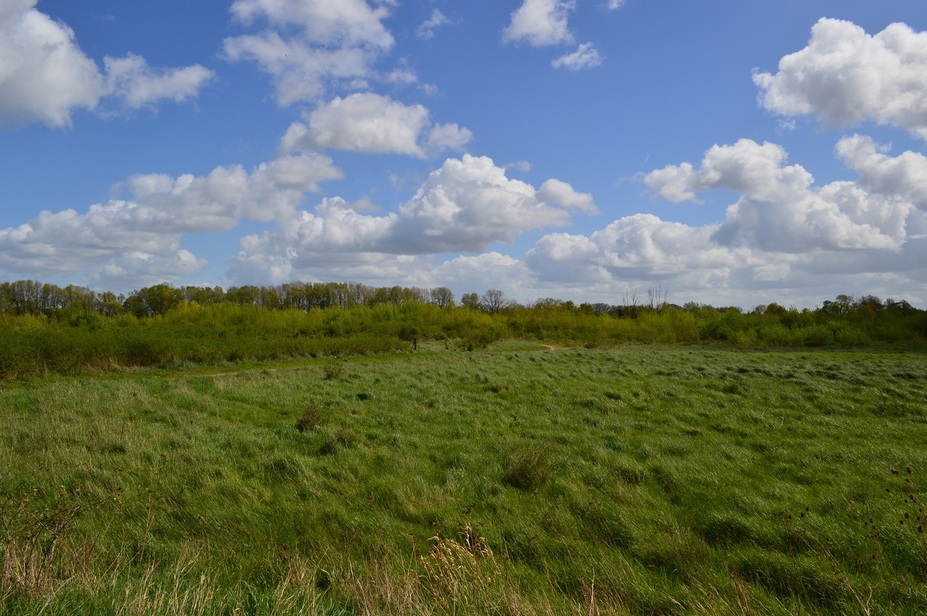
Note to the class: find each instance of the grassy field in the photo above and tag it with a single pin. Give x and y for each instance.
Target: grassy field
(517, 479)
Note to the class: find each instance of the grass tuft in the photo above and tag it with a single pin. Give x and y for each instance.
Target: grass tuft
(528, 468)
(334, 370)
(313, 417)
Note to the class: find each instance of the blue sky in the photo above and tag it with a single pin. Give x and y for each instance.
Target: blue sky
(731, 153)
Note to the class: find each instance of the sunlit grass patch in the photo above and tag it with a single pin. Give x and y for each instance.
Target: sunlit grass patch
(624, 481)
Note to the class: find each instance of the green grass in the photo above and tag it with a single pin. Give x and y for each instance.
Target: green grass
(508, 480)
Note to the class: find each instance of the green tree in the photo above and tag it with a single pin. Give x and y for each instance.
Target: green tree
(108, 303)
(156, 300)
(470, 300)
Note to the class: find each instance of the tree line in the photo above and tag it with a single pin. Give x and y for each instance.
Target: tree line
(34, 298)
(31, 297)
(49, 329)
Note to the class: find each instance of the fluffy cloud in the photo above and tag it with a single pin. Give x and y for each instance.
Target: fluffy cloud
(334, 241)
(217, 201)
(466, 205)
(132, 80)
(134, 269)
(300, 71)
(838, 216)
(904, 176)
(326, 40)
(636, 248)
(368, 122)
(442, 137)
(111, 240)
(491, 270)
(639, 252)
(49, 235)
(585, 56)
(780, 210)
(141, 234)
(469, 204)
(675, 183)
(44, 75)
(845, 76)
(744, 167)
(558, 192)
(783, 235)
(541, 23)
(323, 22)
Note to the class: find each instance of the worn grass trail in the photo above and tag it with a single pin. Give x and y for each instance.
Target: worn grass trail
(516, 479)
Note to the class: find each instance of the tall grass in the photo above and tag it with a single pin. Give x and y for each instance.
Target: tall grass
(508, 480)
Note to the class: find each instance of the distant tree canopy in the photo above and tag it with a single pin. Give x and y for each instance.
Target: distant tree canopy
(36, 298)
(845, 320)
(45, 328)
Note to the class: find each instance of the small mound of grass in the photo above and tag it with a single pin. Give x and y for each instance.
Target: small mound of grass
(528, 468)
(312, 418)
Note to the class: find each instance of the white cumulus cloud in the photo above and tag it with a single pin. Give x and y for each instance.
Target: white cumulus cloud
(558, 192)
(142, 232)
(306, 44)
(134, 269)
(323, 22)
(638, 247)
(541, 23)
(367, 122)
(780, 209)
(903, 176)
(449, 136)
(845, 76)
(467, 205)
(784, 235)
(217, 201)
(490, 270)
(44, 75)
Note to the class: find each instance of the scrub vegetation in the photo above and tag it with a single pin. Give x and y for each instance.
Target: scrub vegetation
(523, 461)
(51, 330)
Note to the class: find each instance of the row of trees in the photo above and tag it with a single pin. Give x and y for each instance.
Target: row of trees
(46, 329)
(31, 297)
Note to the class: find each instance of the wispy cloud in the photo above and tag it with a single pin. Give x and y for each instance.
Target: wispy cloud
(426, 29)
(585, 57)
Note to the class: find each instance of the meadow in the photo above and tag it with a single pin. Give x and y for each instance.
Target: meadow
(496, 478)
